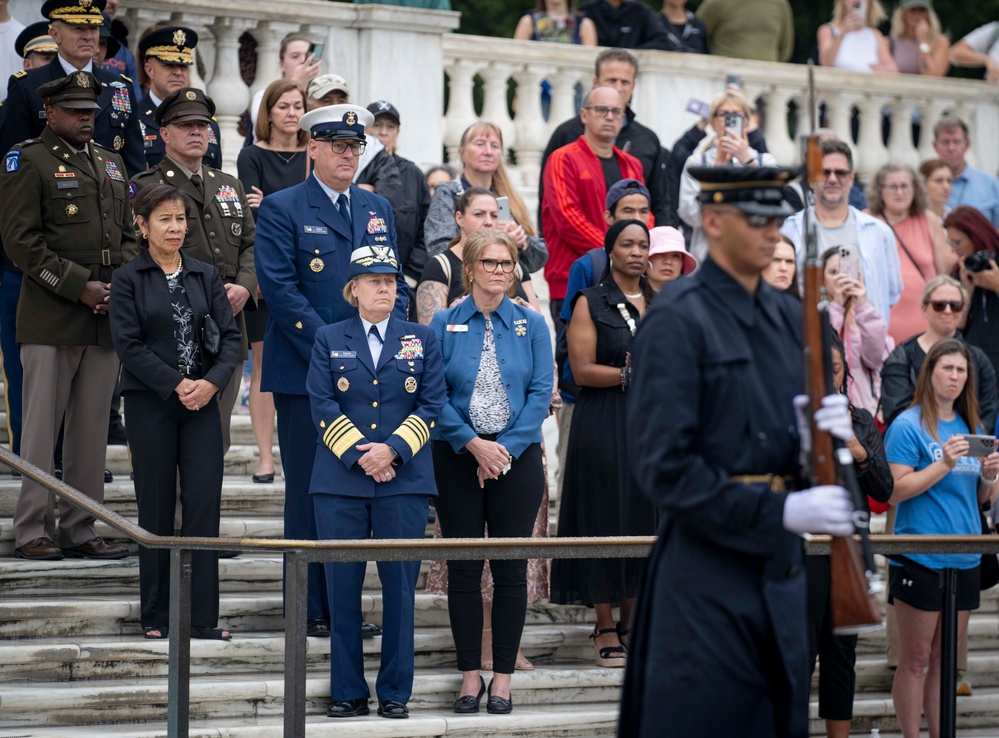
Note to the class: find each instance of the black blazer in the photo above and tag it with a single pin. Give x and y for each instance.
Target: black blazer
(141, 316)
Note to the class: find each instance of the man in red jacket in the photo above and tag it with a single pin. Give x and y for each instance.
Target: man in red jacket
(576, 179)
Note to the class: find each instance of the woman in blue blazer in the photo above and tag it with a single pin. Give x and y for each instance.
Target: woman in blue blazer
(376, 387)
(171, 380)
(487, 453)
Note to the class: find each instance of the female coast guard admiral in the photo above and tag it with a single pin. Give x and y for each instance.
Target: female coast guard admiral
(376, 385)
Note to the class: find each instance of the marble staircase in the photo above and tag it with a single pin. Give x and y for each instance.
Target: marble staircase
(73, 662)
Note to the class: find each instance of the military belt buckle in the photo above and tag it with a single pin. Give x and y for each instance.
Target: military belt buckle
(106, 257)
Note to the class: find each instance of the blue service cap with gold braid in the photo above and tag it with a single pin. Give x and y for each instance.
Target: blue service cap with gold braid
(337, 122)
(754, 190)
(172, 45)
(372, 260)
(75, 12)
(35, 38)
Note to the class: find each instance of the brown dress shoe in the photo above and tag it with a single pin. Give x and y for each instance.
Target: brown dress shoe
(97, 548)
(40, 549)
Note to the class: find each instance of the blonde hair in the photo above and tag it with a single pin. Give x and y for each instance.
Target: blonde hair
(735, 96)
(876, 14)
(348, 293)
(475, 244)
(944, 280)
(501, 178)
(898, 26)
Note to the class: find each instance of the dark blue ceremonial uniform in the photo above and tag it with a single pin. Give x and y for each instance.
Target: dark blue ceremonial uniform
(355, 402)
(719, 636)
(154, 149)
(116, 122)
(302, 249)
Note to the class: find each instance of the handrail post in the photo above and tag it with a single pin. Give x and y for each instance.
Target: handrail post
(179, 677)
(295, 646)
(948, 656)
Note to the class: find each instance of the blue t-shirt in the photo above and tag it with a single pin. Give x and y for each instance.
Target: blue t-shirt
(951, 505)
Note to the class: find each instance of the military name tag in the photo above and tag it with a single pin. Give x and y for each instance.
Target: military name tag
(342, 384)
(343, 354)
(411, 384)
(67, 185)
(457, 329)
(316, 265)
(316, 230)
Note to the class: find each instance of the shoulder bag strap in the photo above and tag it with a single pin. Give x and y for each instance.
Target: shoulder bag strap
(907, 252)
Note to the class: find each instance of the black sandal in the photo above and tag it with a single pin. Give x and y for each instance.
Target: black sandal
(623, 633)
(163, 630)
(210, 634)
(610, 656)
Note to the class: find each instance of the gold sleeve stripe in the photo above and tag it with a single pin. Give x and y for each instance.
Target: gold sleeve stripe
(414, 432)
(335, 427)
(342, 436)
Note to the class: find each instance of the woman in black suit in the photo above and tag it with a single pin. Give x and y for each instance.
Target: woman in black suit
(172, 374)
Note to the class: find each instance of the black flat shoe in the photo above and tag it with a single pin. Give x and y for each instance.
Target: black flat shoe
(498, 705)
(348, 708)
(469, 704)
(370, 630)
(392, 709)
(210, 634)
(317, 629)
(263, 478)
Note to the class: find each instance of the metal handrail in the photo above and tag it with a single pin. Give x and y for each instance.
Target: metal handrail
(299, 553)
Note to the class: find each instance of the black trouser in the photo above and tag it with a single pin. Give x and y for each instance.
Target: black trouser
(837, 654)
(508, 506)
(555, 307)
(165, 437)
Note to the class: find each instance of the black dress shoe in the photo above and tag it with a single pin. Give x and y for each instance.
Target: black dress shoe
(370, 630)
(57, 472)
(317, 629)
(97, 548)
(392, 709)
(469, 704)
(498, 705)
(108, 476)
(348, 708)
(263, 478)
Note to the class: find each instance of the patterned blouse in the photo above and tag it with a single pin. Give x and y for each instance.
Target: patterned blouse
(188, 350)
(489, 407)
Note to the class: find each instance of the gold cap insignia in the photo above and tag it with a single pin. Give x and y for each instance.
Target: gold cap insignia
(316, 265)
(81, 79)
(85, 3)
(718, 197)
(179, 37)
(351, 118)
(411, 384)
(342, 384)
(189, 94)
(72, 210)
(299, 325)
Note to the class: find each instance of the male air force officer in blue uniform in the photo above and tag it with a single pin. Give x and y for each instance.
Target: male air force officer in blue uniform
(305, 236)
(377, 386)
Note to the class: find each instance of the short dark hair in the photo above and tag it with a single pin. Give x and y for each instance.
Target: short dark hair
(151, 198)
(949, 123)
(619, 55)
(837, 147)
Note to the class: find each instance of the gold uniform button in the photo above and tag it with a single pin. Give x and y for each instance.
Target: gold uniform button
(208, 216)
(374, 404)
(373, 426)
(375, 381)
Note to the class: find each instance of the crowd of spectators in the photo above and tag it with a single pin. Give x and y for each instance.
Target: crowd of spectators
(910, 279)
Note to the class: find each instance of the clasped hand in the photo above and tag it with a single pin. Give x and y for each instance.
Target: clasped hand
(194, 394)
(493, 458)
(377, 461)
(96, 295)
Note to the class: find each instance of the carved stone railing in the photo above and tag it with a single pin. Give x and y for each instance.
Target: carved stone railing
(666, 81)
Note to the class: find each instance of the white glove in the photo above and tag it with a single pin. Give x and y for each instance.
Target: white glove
(801, 403)
(824, 509)
(834, 417)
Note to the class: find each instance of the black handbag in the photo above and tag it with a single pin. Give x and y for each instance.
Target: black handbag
(211, 336)
(989, 569)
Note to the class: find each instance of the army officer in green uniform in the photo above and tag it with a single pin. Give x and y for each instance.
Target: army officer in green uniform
(67, 223)
(220, 232)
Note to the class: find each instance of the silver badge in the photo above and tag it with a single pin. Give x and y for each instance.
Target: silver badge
(237, 229)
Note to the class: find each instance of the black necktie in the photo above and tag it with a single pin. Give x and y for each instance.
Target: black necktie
(373, 330)
(198, 184)
(343, 205)
(88, 165)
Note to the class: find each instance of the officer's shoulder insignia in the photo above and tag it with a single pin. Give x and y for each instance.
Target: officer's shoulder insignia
(127, 79)
(19, 73)
(214, 119)
(100, 146)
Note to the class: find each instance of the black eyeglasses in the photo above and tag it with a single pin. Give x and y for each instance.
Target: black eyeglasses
(941, 305)
(839, 173)
(356, 147)
(603, 110)
(490, 265)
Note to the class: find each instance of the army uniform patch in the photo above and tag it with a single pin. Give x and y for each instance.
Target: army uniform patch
(13, 161)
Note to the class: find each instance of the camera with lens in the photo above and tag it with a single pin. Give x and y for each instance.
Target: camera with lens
(978, 261)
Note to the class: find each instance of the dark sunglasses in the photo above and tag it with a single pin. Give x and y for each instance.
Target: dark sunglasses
(839, 173)
(941, 305)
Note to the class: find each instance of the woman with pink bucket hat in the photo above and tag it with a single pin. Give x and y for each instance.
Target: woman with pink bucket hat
(668, 257)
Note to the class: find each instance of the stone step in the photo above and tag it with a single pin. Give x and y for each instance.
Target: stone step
(52, 704)
(132, 657)
(874, 710)
(591, 720)
(32, 619)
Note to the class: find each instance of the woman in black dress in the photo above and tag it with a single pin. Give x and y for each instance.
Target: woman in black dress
(596, 496)
(277, 160)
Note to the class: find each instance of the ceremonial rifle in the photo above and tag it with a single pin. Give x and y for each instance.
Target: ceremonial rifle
(854, 582)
